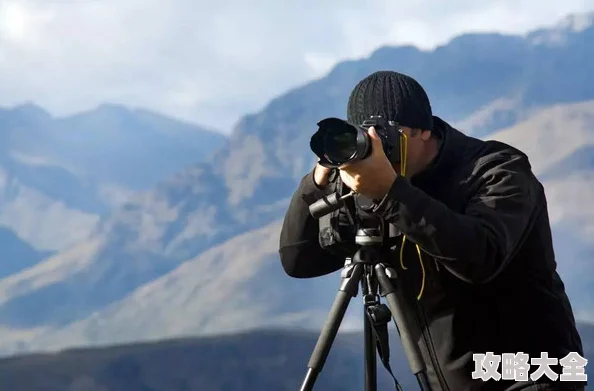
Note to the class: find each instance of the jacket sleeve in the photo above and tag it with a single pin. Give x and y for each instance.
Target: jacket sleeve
(475, 245)
(300, 251)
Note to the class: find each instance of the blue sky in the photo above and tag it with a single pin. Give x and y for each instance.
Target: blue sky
(211, 62)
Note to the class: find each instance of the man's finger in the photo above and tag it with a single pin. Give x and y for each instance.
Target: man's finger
(376, 142)
(374, 136)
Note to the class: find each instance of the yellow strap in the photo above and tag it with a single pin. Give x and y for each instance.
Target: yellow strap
(403, 153)
(420, 261)
(403, 160)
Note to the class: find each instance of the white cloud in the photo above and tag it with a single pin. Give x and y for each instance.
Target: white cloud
(214, 61)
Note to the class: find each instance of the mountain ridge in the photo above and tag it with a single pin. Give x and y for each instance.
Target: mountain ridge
(257, 360)
(258, 249)
(72, 169)
(245, 184)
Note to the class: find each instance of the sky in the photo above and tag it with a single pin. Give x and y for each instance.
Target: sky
(212, 62)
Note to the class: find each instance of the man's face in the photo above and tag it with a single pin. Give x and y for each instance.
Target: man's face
(419, 150)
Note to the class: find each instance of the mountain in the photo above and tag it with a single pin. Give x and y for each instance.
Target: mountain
(235, 286)
(111, 143)
(155, 260)
(59, 175)
(240, 284)
(134, 148)
(260, 360)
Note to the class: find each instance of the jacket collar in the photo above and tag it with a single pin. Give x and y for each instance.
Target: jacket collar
(455, 150)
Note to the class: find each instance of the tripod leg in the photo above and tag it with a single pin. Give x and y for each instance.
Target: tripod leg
(370, 299)
(370, 355)
(399, 309)
(347, 290)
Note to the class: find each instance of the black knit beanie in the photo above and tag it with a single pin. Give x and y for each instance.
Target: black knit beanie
(395, 96)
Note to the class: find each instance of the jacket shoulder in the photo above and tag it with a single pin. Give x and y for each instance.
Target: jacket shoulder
(504, 169)
(495, 153)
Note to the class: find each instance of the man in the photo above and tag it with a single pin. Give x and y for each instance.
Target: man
(486, 278)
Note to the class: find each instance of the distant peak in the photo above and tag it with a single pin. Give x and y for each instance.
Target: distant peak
(576, 23)
(30, 109)
(561, 31)
(107, 110)
(112, 108)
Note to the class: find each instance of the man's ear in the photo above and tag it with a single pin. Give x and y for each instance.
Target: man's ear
(425, 135)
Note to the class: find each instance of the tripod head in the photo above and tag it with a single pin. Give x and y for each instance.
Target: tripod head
(348, 222)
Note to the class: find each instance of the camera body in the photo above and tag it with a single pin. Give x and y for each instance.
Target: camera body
(337, 142)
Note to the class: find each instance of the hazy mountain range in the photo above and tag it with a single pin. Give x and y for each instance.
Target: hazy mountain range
(59, 176)
(263, 360)
(159, 229)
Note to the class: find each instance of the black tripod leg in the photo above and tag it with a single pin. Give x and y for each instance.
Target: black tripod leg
(347, 290)
(400, 309)
(369, 293)
(370, 355)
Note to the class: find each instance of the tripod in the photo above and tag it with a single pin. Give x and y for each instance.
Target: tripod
(367, 269)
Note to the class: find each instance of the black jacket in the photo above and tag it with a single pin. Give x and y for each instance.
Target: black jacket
(479, 217)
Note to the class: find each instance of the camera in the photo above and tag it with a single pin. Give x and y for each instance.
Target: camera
(337, 142)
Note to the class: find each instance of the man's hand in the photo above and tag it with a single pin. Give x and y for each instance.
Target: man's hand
(321, 175)
(371, 177)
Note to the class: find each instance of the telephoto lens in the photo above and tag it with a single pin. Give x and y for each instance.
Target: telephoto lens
(337, 142)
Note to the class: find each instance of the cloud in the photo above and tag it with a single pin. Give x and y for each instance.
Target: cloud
(211, 62)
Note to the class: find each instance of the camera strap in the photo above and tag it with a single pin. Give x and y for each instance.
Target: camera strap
(350, 209)
(380, 329)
